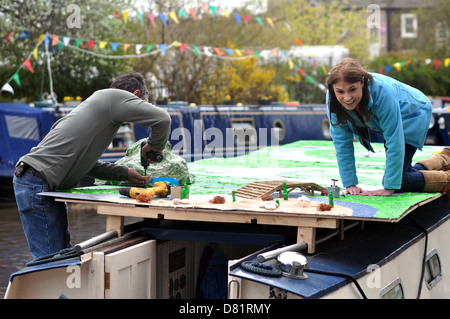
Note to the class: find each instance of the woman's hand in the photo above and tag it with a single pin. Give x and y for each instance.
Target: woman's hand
(378, 192)
(353, 190)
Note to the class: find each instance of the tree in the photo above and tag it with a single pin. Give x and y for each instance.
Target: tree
(74, 73)
(243, 81)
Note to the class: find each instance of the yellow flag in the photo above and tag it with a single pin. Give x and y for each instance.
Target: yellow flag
(174, 17)
(125, 16)
(291, 65)
(269, 20)
(35, 53)
(238, 52)
(447, 62)
(226, 13)
(41, 37)
(398, 66)
(102, 44)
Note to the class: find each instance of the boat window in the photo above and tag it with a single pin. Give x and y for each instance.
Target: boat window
(124, 137)
(244, 131)
(433, 272)
(22, 127)
(393, 291)
(279, 130)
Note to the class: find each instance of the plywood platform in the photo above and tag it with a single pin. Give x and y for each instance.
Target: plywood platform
(262, 188)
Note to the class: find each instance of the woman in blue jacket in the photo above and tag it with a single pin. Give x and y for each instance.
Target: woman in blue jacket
(358, 101)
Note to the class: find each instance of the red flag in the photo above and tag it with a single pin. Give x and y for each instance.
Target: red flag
(91, 44)
(301, 71)
(7, 37)
(299, 41)
(27, 63)
(183, 47)
(116, 15)
(437, 62)
(191, 11)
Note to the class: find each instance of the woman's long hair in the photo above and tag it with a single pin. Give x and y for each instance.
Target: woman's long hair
(351, 71)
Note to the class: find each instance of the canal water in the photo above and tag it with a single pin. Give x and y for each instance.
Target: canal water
(84, 223)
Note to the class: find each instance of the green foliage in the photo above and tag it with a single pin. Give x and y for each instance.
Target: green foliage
(416, 72)
(73, 73)
(243, 81)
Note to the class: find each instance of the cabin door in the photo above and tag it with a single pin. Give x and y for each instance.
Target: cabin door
(131, 272)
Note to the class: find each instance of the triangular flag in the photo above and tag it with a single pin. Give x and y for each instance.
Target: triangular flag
(35, 53)
(226, 13)
(7, 88)
(102, 44)
(398, 66)
(17, 79)
(149, 47)
(116, 15)
(78, 42)
(206, 51)
(238, 18)
(183, 47)
(125, 16)
(238, 52)
(66, 40)
(302, 72)
(299, 42)
(152, 19)
(213, 10)
(291, 65)
(163, 19)
(23, 35)
(258, 19)
(447, 62)
(91, 44)
(55, 39)
(7, 37)
(246, 20)
(437, 62)
(163, 48)
(182, 13)
(174, 17)
(125, 47)
(269, 20)
(141, 18)
(114, 46)
(191, 11)
(41, 37)
(218, 52)
(27, 63)
(196, 50)
(205, 7)
(229, 51)
(138, 48)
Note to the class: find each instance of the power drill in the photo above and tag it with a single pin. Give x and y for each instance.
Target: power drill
(161, 189)
(153, 155)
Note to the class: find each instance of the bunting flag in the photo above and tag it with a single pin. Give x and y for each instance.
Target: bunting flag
(8, 34)
(27, 63)
(7, 88)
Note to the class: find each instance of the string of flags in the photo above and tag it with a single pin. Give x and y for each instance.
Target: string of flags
(211, 10)
(58, 42)
(143, 50)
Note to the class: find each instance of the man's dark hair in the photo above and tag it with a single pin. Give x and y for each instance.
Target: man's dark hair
(131, 82)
